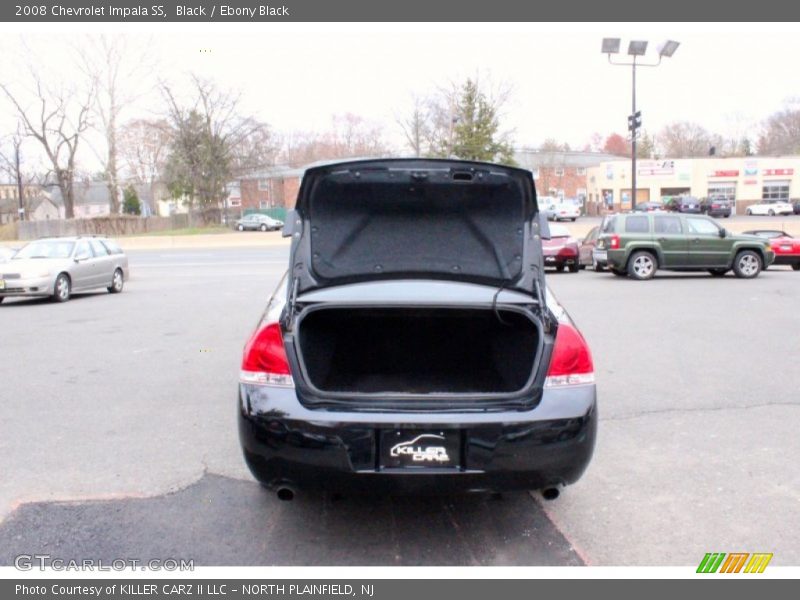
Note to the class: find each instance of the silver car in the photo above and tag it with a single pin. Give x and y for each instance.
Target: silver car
(58, 267)
(6, 253)
(255, 222)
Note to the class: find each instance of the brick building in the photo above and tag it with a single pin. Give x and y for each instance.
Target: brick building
(273, 188)
(560, 174)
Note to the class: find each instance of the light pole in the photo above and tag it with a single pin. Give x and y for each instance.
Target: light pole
(636, 48)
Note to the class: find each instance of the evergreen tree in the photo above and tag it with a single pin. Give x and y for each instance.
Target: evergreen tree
(476, 128)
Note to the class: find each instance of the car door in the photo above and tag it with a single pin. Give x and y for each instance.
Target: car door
(669, 234)
(587, 245)
(706, 247)
(104, 265)
(82, 270)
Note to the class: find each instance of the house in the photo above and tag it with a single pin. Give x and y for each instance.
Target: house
(275, 187)
(44, 208)
(36, 202)
(91, 199)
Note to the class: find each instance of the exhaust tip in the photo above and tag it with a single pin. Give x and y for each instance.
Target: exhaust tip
(550, 493)
(285, 493)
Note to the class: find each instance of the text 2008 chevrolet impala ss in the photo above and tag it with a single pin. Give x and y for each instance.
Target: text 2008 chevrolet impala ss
(412, 345)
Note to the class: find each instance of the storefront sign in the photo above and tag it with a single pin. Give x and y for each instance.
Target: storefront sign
(656, 167)
(751, 181)
(768, 172)
(725, 173)
(750, 168)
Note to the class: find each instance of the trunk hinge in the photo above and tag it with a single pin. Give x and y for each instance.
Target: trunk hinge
(537, 285)
(290, 303)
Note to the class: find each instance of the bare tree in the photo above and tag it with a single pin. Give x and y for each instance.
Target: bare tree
(58, 118)
(683, 139)
(11, 163)
(119, 71)
(208, 134)
(143, 146)
(416, 127)
(350, 136)
(780, 133)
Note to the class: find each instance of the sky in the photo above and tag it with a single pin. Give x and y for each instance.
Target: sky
(728, 78)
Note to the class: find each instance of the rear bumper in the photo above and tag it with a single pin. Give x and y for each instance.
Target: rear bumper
(286, 443)
(560, 260)
(786, 259)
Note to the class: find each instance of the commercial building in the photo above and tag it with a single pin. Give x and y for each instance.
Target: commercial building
(561, 174)
(745, 180)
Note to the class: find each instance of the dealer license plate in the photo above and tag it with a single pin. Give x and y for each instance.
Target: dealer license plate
(422, 449)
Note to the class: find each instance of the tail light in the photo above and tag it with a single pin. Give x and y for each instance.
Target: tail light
(614, 242)
(571, 361)
(264, 360)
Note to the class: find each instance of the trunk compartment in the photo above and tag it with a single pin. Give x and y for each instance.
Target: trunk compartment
(417, 351)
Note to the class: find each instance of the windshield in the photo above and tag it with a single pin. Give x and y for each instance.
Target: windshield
(46, 249)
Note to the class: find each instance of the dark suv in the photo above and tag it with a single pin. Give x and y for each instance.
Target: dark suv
(683, 204)
(716, 206)
(639, 244)
(413, 345)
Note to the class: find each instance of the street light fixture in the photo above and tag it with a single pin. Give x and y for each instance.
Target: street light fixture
(636, 49)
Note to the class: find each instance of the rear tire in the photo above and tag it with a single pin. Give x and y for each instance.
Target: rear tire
(62, 290)
(749, 212)
(263, 227)
(117, 282)
(747, 264)
(240, 227)
(795, 267)
(619, 272)
(560, 268)
(771, 212)
(642, 265)
(1, 299)
(717, 272)
(574, 268)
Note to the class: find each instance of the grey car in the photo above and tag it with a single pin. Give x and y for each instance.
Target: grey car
(413, 345)
(257, 222)
(58, 267)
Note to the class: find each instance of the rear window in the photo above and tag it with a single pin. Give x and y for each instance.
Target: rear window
(112, 247)
(608, 225)
(637, 225)
(558, 231)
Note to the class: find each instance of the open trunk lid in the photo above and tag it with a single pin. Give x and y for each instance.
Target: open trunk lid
(416, 219)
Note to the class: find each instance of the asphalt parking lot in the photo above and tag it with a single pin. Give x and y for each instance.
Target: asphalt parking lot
(118, 431)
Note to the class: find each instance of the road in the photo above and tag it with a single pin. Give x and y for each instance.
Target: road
(118, 432)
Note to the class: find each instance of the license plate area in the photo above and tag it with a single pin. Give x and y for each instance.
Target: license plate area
(420, 450)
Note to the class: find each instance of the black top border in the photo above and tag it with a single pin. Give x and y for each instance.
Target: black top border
(239, 11)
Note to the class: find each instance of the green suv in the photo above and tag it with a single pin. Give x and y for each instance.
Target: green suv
(637, 245)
